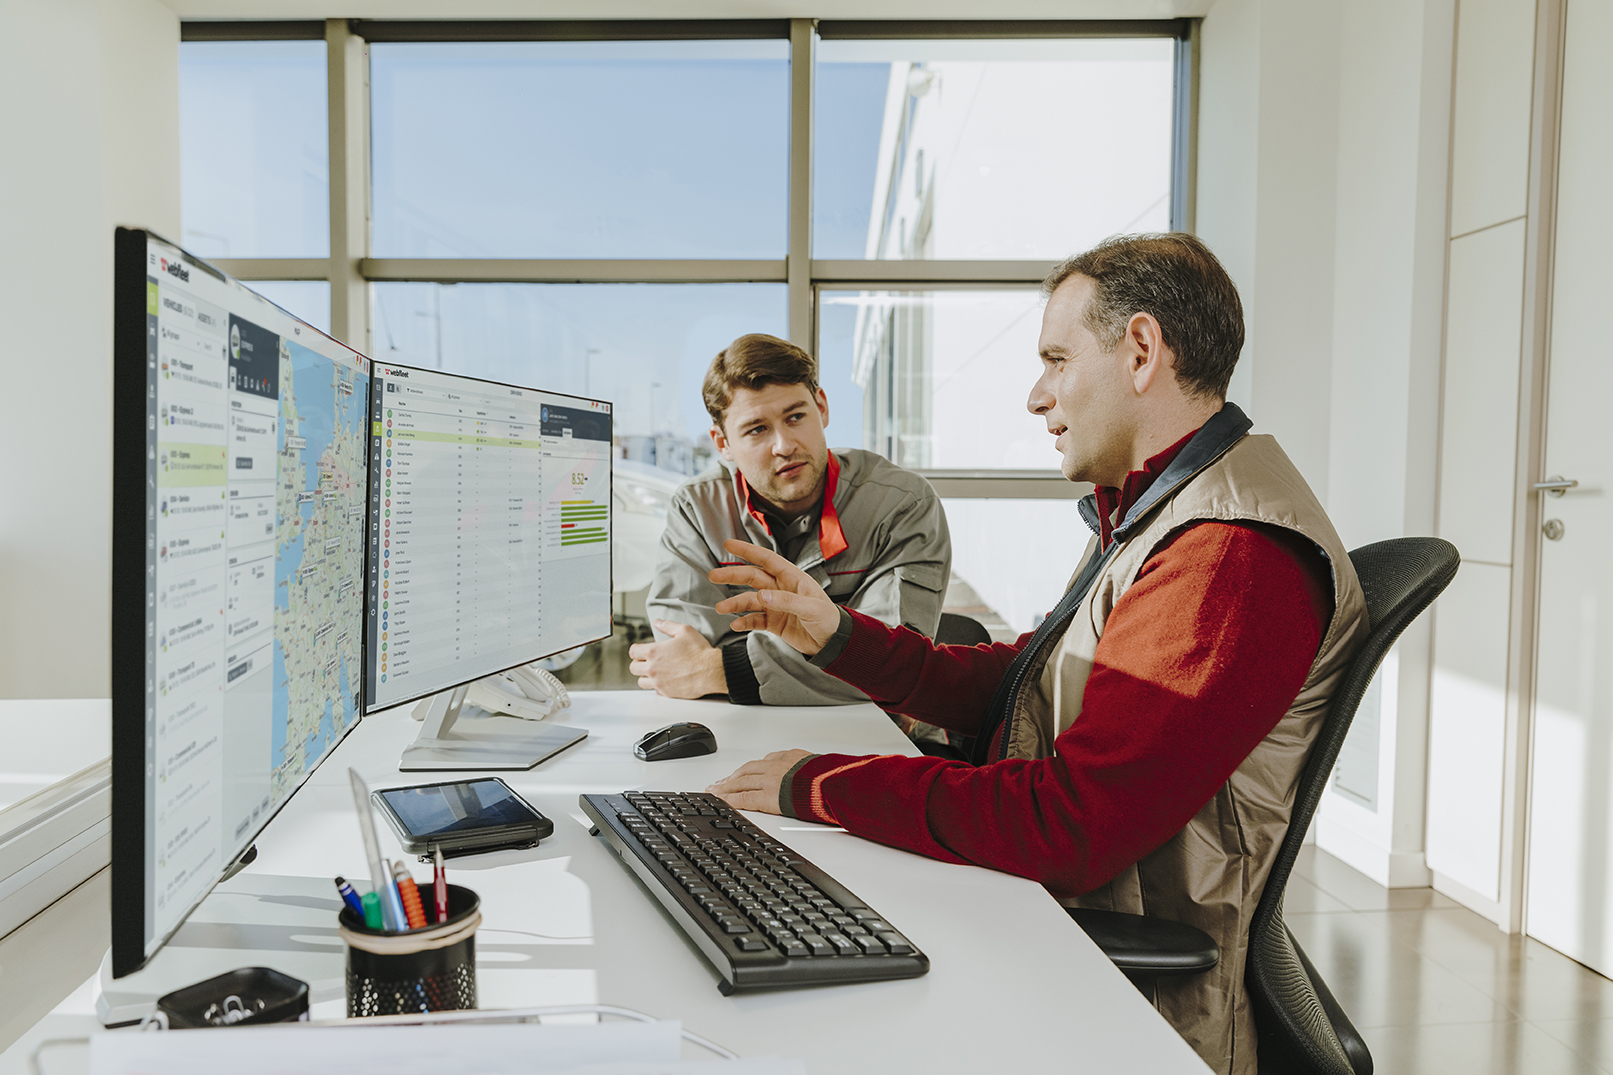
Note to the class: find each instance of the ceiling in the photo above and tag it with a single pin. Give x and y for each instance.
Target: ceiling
(702, 9)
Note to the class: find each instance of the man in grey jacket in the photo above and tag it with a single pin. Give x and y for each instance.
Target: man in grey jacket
(872, 534)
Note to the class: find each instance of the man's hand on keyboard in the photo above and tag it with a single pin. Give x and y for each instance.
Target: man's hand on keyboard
(784, 601)
(755, 785)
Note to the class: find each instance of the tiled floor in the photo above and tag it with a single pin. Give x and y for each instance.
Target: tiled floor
(1435, 988)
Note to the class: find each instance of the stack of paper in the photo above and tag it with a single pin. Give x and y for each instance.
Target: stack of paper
(487, 1049)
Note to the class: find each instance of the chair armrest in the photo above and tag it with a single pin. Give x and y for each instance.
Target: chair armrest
(1152, 946)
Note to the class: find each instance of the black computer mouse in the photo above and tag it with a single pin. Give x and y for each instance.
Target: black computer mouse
(684, 740)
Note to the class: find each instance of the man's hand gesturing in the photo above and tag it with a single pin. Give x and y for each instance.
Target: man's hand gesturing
(785, 601)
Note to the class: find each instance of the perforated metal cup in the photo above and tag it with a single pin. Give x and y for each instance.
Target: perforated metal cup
(430, 969)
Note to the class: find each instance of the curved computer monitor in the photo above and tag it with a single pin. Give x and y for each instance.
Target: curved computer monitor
(240, 485)
(490, 527)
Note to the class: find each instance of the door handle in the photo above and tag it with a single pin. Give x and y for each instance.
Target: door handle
(1556, 485)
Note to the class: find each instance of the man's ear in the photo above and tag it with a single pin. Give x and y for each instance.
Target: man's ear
(1147, 357)
(823, 409)
(720, 442)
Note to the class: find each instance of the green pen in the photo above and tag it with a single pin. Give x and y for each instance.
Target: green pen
(372, 910)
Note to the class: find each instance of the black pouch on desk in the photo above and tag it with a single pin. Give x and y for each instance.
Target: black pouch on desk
(463, 817)
(242, 997)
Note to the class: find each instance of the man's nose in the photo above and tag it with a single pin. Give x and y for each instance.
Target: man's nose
(783, 444)
(1040, 401)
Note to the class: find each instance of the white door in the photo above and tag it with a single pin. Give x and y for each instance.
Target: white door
(1570, 878)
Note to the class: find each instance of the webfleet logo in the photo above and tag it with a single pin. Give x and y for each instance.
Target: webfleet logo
(175, 269)
(394, 373)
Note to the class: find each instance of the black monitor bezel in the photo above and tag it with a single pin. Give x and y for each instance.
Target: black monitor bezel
(128, 602)
(375, 373)
(128, 642)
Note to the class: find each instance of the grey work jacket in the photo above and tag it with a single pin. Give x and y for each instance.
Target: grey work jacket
(895, 569)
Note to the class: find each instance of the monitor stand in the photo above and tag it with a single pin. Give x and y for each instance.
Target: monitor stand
(486, 741)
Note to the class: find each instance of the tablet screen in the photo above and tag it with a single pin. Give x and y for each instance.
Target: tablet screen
(464, 806)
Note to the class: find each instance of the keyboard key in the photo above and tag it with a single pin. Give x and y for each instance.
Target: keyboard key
(735, 925)
(869, 945)
(795, 949)
(816, 944)
(843, 945)
(751, 942)
(897, 944)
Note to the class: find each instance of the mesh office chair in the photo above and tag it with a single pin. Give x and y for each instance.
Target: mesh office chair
(1302, 1029)
(957, 629)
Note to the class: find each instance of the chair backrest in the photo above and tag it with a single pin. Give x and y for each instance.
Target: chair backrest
(960, 630)
(1400, 577)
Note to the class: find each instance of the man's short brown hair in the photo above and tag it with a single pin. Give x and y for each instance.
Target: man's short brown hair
(1174, 277)
(755, 361)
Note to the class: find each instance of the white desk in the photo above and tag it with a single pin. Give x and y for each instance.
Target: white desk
(1014, 985)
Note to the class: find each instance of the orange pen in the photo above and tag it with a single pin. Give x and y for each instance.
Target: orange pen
(410, 895)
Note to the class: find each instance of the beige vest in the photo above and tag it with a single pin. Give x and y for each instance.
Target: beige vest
(1210, 874)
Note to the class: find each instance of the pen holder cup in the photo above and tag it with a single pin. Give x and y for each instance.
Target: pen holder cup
(430, 969)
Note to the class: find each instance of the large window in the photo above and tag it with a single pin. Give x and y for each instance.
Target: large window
(599, 207)
(566, 149)
(254, 154)
(990, 148)
(942, 375)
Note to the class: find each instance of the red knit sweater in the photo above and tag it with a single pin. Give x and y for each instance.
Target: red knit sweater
(1198, 661)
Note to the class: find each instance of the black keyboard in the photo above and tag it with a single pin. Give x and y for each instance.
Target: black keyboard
(762, 915)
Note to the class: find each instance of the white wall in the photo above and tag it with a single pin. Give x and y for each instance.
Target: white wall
(1323, 133)
(90, 131)
(1267, 143)
(1394, 124)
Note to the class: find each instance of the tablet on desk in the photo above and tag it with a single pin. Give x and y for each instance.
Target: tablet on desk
(463, 817)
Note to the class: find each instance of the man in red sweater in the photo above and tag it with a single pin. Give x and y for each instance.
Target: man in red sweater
(1150, 734)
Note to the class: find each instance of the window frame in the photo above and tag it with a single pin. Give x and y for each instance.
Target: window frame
(350, 269)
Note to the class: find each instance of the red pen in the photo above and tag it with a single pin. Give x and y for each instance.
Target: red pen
(439, 883)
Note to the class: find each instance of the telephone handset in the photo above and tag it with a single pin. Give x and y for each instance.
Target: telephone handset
(526, 691)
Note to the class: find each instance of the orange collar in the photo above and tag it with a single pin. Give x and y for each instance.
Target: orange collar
(831, 539)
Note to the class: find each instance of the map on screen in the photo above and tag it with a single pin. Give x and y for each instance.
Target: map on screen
(319, 560)
(254, 547)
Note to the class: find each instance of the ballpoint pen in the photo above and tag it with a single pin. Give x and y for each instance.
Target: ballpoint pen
(391, 906)
(439, 886)
(350, 897)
